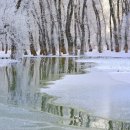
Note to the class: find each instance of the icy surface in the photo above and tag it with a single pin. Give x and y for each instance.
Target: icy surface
(104, 92)
(109, 64)
(109, 54)
(13, 118)
(6, 62)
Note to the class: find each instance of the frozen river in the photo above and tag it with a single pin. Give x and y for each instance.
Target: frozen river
(65, 94)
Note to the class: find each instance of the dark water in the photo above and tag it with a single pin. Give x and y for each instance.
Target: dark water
(20, 89)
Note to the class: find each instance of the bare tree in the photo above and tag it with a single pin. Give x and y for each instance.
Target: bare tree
(52, 27)
(18, 4)
(127, 10)
(111, 36)
(68, 25)
(104, 20)
(42, 34)
(117, 48)
(98, 21)
(83, 28)
(32, 48)
(88, 30)
(75, 27)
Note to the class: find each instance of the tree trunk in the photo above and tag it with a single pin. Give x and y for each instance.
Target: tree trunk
(6, 48)
(52, 28)
(88, 29)
(42, 32)
(32, 49)
(68, 25)
(99, 38)
(83, 29)
(111, 42)
(61, 44)
(13, 49)
(75, 28)
(104, 25)
(117, 49)
(2, 46)
(127, 10)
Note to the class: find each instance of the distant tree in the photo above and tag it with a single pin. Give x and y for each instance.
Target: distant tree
(70, 11)
(104, 20)
(18, 4)
(83, 28)
(117, 48)
(88, 30)
(98, 21)
(126, 11)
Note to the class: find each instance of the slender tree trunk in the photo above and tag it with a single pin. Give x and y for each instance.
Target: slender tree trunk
(18, 4)
(62, 48)
(32, 49)
(68, 25)
(2, 46)
(117, 49)
(6, 48)
(61, 45)
(118, 22)
(88, 29)
(13, 49)
(111, 41)
(127, 10)
(99, 38)
(53, 50)
(75, 28)
(83, 28)
(43, 48)
(104, 25)
(6, 45)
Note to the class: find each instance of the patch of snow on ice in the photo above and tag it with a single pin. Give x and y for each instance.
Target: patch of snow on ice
(121, 54)
(110, 64)
(6, 62)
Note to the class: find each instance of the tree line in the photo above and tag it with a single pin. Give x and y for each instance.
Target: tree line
(60, 27)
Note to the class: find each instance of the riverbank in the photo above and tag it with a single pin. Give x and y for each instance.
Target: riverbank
(5, 58)
(103, 92)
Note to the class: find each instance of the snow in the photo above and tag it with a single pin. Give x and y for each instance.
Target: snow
(103, 92)
(5, 59)
(109, 54)
(3, 55)
(6, 62)
(109, 64)
(97, 93)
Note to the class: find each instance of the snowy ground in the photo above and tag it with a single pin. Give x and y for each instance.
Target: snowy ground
(5, 58)
(3, 55)
(6, 62)
(95, 54)
(103, 92)
(13, 118)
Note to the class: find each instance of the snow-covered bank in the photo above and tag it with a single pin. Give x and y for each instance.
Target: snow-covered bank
(103, 92)
(94, 54)
(6, 62)
(5, 59)
(109, 64)
(108, 54)
(117, 68)
(3, 55)
(99, 58)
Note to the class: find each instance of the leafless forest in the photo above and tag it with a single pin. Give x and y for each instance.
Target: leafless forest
(63, 26)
